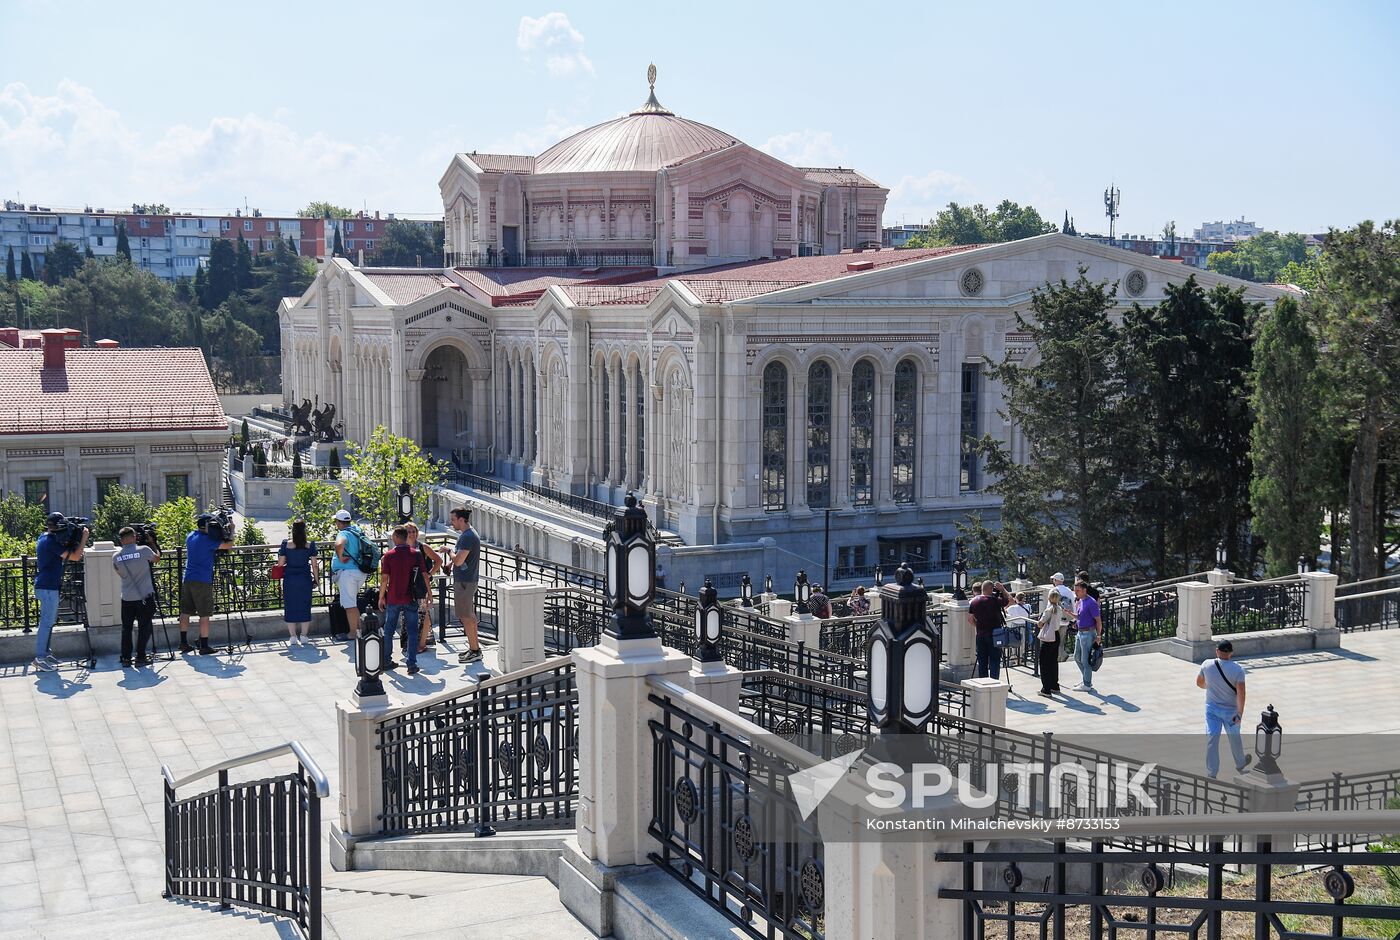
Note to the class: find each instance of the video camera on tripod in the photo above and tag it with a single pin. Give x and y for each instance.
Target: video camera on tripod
(218, 523)
(146, 534)
(69, 530)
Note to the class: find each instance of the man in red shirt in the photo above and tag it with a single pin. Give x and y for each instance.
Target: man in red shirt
(985, 614)
(397, 572)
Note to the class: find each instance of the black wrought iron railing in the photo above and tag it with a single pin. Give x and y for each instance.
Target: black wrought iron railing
(1253, 607)
(1373, 610)
(1375, 790)
(573, 618)
(253, 845)
(580, 504)
(726, 823)
(504, 565)
(477, 482)
(19, 608)
(500, 755)
(1138, 617)
(846, 635)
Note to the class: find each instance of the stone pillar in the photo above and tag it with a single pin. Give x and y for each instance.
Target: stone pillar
(520, 629)
(412, 406)
(777, 608)
(719, 682)
(1218, 577)
(1320, 609)
(1019, 585)
(958, 637)
(361, 776)
(102, 588)
(986, 700)
(805, 629)
(1265, 791)
(1193, 627)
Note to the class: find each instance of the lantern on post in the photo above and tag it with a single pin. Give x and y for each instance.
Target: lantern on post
(801, 591)
(902, 658)
(709, 624)
(369, 657)
(631, 573)
(681, 588)
(405, 502)
(745, 592)
(1268, 740)
(1220, 555)
(1021, 567)
(768, 584)
(960, 575)
(879, 577)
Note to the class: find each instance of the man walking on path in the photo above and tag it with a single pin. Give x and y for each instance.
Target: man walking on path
(986, 616)
(466, 572)
(1223, 681)
(1089, 622)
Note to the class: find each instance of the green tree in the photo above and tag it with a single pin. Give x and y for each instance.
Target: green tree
(1065, 501)
(21, 520)
(316, 502)
(1261, 257)
(242, 266)
(87, 253)
(1357, 309)
(410, 244)
(121, 506)
(24, 304)
(977, 225)
(1289, 440)
(123, 243)
(296, 465)
(174, 520)
(333, 464)
(337, 249)
(201, 286)
(243, 439)
(120, 301)
(26, 267)
(286, 275)
(250, 533)
(378, 466)
(319, 209)
(62, 262)
(221, 275)
(11, 274)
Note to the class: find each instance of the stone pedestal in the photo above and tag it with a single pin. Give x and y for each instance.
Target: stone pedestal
(1193, 627)
(1020, 584)
(779, 609)
(805, 629)
(986, 700)
(520, 619)
(958, 640)
(320, 453)
(719, 682)
(1265, 791)
(361, 775)
(1219, 577)
(1320, 609)
(102, 588)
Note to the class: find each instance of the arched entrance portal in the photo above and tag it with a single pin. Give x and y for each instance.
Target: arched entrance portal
(446, 401)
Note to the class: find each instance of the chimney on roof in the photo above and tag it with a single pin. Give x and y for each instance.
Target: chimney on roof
(9, 335)
(106, 344)
(74, 338)
(55, 342)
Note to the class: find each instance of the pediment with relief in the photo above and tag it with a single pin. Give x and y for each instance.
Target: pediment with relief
(672, 322)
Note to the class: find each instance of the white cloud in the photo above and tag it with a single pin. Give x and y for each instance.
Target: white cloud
(555, 38)
(918, 198)
(804, 148)
(534, 140)
(70, 149)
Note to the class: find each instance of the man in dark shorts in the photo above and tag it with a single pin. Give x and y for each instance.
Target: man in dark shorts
(985, 615)
(197, 588)
(466, 572)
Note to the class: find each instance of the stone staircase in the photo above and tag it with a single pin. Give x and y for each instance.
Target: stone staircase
(368, 905)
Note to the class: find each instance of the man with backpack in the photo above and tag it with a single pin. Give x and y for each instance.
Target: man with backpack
(352, 550)
(1223, 681)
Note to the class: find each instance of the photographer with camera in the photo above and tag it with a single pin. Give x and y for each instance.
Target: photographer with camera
(214, 533)
(133, 562)
(63, 541)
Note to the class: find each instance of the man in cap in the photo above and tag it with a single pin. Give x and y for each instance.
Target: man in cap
(345, 565)
(1223, 681)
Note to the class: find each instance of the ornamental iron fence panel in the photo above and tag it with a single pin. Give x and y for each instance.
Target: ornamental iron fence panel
(1251, 608)
(1138, 617)
(580, 504)
(573, 619)
(1374, 790)
(1376, 610)
(501, 755)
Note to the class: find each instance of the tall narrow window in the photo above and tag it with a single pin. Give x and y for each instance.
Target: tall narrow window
(819, 435)
(774, 437)
(862, 433)
(510, 428)
(904, 425)
(623, 471)
(605, 424)
(639, 471)
(971, 425)
(523, 447)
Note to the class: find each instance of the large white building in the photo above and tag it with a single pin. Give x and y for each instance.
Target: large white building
(742, 401)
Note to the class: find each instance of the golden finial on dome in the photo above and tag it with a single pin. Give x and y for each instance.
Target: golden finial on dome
(652, 106)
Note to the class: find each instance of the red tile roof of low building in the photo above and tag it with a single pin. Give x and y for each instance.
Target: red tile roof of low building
(108, 390)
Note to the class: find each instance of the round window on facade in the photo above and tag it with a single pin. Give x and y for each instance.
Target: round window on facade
(1135, 283)
(972, 282)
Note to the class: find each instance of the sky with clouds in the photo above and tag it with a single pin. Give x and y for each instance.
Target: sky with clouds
(1287, 113)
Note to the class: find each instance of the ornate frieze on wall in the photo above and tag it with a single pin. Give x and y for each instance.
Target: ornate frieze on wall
(35, 452)
(187, 448)
(114, 451)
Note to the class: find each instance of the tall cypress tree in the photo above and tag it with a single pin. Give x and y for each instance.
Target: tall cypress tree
(337, 249)
(10, 274)
(123, 245)
(243, 266)
(1289, 442)
(26, 267)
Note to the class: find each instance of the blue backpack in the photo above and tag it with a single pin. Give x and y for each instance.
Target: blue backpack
(366, 553)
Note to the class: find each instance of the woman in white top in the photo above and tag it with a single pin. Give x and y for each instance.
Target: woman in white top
(1051, 624)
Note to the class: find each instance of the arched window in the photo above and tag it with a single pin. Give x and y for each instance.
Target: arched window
(774, 437)
(904, 428)
(862, 433)
(819, 435)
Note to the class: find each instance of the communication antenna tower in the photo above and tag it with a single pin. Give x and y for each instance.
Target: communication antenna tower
(1111, 199)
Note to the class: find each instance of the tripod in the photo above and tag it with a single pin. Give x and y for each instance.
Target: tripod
(74, 588)
(227, 589)
(160, 611)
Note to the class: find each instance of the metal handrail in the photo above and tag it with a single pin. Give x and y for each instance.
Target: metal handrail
(313, 769)
(448, 695)
(1384, 592)
(702, 707)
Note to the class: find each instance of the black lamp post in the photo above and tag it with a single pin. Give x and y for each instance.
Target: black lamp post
(369, 656)
(709, 624)
(405, 502)
(902, 658)
(746, 592)
(1220, 556)
(1268, 740)
(801, 590)
(768, 584)
(1020, 567)
(631, 573)
(960, 575)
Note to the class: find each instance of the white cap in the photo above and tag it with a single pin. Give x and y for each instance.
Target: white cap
(343, 516)
(1057, 576)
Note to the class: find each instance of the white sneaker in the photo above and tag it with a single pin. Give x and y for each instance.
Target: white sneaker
(52, 660)
(1081, 687)
(43, 665)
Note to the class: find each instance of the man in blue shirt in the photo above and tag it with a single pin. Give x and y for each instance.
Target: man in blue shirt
(197, 587)
(1223, 681)
(50, 555)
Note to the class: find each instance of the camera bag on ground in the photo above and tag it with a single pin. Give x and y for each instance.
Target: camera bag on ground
(340, 624)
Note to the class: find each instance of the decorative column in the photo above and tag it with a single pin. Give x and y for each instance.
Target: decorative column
(1193, 622)
(632, 476)
(883, 457)
(841, 439)
(413, 405)
(1320, 609)
(478, 409)
(797, 426)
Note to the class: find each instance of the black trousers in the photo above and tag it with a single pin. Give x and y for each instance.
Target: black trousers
(1048, 655)
(134, 612)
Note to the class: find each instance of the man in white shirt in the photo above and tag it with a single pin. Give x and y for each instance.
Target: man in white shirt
(1223, 681)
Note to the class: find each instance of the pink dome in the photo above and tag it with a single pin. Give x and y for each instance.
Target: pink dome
(645, 140)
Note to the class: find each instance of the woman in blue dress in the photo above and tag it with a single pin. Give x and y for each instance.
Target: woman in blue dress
(300, 573)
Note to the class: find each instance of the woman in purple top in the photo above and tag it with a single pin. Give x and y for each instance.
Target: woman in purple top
(1089, 624)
